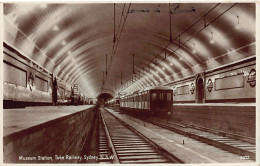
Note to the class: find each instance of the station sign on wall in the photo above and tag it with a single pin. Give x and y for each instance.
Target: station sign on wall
(252, 78)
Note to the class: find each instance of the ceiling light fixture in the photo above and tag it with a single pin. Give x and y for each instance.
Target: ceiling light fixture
(231, 51)
(210, 59)
(238, 25)
(194, 51)
(212, 41)
(55, 28)
(63, 42)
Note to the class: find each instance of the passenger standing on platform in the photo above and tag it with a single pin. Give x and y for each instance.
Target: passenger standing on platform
(54, 92)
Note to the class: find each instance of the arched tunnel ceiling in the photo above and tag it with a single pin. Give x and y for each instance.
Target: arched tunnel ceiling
(72, 40)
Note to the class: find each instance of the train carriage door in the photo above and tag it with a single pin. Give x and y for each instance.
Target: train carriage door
(55, 92)
(200, 90)
(169, 100)
(142, 100)
(148, 100)
(153, 100)
(161, 96)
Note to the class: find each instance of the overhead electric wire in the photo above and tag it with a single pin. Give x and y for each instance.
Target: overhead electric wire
(118, 38)
(125, 17)
(120, 20)
(203, 17)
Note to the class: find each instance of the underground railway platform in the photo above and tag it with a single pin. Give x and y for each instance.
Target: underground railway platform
(130, 83)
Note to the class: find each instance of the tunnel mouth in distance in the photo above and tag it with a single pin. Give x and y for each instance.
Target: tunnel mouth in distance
(104, 97)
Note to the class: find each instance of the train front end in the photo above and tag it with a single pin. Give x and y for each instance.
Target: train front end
(161, 100)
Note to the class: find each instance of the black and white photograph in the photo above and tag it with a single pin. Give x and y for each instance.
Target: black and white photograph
(129, 82)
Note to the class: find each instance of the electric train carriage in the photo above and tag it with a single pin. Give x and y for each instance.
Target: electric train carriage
(26, 83)
(114, 103)
(154, 100)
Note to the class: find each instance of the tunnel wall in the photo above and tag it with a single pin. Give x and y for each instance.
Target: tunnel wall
(181, 90)
(225, 86)
(233, 119)
(229, 82)
(62, 136)
(220, 85)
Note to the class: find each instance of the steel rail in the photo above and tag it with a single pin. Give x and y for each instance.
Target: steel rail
(116, 160)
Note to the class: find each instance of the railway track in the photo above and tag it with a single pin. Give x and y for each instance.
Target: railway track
(120, 144)
(246, 149)
(105, 152)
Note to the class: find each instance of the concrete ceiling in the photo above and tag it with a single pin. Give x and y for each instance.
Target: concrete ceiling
(72, 40)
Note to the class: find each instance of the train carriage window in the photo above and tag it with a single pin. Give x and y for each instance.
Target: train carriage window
(169, 96)
(15, 75)
(153, 96)
(161, 96)
(42, 85)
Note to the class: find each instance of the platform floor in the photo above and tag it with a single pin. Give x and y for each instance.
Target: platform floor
(15, 120)
(192, 151)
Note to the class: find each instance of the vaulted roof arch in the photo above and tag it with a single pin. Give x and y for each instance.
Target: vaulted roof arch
(72, 40)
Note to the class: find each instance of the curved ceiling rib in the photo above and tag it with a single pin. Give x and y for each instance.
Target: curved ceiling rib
(71, 40)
